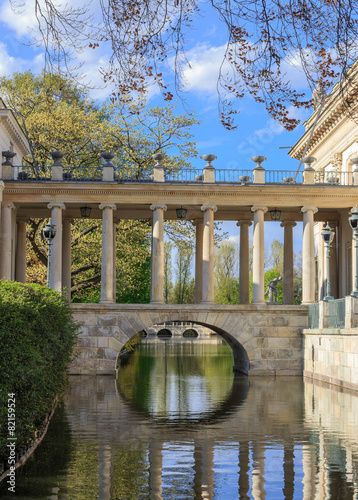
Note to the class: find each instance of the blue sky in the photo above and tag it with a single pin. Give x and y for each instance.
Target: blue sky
(256, 133)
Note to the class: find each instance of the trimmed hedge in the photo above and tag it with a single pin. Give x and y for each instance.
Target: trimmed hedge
(37, 336)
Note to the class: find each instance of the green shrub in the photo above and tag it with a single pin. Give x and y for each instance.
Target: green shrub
(37, 335)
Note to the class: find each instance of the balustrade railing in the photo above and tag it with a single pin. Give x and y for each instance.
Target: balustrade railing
(283, 177)
(137, 174)
(313, 315)
(234, 176)
(82, 174)
(337, 313)
(133, 174)
(334, 178)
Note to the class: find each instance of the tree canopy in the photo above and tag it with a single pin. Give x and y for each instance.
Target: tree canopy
(263, 38)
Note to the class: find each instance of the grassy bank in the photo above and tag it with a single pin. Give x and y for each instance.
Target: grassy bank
(37, 335)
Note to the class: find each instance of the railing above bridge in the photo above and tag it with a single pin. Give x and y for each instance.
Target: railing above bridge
(134, 174)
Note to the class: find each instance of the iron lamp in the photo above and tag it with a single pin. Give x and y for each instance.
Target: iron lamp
(181, 213)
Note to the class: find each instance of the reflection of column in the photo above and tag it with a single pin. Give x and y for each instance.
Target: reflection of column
(333, 261)
(258, 256)
(199, 260)
(66, 258)
(323, 478)
(107, 253)
(288, 471)
(20, 266)
(258, 472)
(56, 247)
(105, 459)
(244, 281)
(308, 271)
(288, 297)
(114, 261)
(309, 471)
(157, 265)
(208, 255)
(155, 470)
(6, 240)
(244, 465)
(204, 470)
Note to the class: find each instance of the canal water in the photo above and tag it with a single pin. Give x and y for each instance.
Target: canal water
(179, 425)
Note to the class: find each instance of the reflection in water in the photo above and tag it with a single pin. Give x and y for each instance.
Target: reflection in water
(181, 426)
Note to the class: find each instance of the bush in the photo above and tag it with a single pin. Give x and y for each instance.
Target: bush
(37, 336)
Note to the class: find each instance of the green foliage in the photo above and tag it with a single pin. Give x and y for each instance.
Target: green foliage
(226, 270)
(37, 335)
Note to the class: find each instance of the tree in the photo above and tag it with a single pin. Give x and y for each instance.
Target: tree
(263, 38)
(59, 115)
(184, 289)
(168, 284)
(226, 269)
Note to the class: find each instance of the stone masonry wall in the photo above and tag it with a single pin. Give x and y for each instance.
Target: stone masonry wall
(332, 356)
(266, 338)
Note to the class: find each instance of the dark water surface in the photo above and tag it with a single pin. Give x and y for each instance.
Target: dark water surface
(179, 425)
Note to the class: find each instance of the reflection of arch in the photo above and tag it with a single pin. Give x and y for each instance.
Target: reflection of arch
(238, 396)
(164, 333)
(190, 333)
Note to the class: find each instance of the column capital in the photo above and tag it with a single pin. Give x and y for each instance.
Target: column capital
(244, 223)
(21, 219)
(107, 205)
(195, 222)
(288, 223)
(56, 204)
(258, 207)
(68, 219)
(309, 208)
(208, 207)
(332, 223)
(154, 207)
(8, 204)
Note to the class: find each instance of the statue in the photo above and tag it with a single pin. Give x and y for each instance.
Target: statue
(271, 290)
(318, 96)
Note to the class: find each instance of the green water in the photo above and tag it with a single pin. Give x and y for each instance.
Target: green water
(179, 425)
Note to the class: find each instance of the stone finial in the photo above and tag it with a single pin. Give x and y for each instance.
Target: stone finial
(209, 159)
(107, 158)
(158, 157)
(258, 160)
(57, 156)
(318, 96)
(308, 160)
(8, 155)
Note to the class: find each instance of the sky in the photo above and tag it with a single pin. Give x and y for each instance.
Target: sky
(256, 134)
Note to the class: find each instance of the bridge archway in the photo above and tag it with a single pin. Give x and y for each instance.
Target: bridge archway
(265, 339)
(164, 333)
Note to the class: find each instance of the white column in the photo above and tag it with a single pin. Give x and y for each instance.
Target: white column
(333, 260)
(199, 223)
(288, 297)
(20, 265)
(107, 253)
(244, 281)
(66, 258)
(258, 256)
(258, 472)
(56, 247)
(6, 242)
(308, 271)
(157, 261)
(114, 260)
(208, 255)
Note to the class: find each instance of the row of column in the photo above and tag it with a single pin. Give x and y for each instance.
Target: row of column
(60, 269)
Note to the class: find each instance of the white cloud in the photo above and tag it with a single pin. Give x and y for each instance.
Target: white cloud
(21, 19)
(203, 67)
(10, 64)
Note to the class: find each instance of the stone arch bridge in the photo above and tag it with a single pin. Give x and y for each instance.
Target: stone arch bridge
(264, 339)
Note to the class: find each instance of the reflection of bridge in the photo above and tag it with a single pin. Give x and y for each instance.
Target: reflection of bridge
(311, 464)
(264, 339)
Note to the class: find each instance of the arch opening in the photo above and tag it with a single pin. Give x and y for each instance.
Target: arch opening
(190, 333)
(164, 333)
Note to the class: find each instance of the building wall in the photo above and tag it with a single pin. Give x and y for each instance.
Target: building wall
(332, 356)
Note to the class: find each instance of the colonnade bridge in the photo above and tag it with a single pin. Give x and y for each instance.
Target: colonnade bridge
(247, 197)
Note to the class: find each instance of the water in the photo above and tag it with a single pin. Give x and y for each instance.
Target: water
(179, 425)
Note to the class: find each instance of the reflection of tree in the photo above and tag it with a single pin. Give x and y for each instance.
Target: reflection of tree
(168, 373)
(129, 478)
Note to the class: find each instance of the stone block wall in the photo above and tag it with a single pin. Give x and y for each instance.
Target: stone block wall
(332, 356)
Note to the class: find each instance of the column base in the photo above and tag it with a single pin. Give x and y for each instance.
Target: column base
(258, 302)
(208, 302)
(105, 301)
(161, 302)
